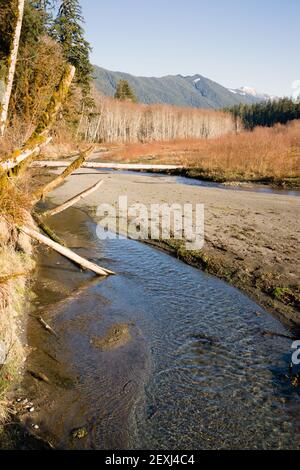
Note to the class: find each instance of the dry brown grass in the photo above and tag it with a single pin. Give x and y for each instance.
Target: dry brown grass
(263, 153)
(15, 201)
(14, 138)
(12, 299)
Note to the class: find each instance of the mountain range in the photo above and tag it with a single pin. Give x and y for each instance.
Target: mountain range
(192, 91)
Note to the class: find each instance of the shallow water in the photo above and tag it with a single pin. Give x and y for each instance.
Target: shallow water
(257, 188)
(197, 374)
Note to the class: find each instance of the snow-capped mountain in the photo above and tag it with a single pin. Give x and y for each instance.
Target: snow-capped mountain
(248, 91)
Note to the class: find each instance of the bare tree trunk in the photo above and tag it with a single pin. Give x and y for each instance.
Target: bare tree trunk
(11, 62)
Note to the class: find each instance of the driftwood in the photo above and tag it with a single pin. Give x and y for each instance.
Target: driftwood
(40, 135)
(66, 252)
(110, 166)
(48, 231)
(41, 192)
(11, 66)
(73, 201)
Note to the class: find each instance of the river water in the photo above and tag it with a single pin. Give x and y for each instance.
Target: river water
(197, 372)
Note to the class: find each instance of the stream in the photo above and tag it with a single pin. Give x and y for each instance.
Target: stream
(195, 372)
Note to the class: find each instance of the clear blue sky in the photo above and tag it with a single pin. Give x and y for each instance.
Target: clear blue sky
(234, 42)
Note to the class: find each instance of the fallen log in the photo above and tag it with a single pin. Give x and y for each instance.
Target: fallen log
(41, 192)
(41, 133)
(108, 166)
(73, 200)
(49, 231)
(66, 252)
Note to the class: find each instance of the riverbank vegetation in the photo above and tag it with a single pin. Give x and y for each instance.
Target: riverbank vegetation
(264, 153)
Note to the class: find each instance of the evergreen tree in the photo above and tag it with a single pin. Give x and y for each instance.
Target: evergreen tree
(68, 31)
(124, 92)
(267, 114)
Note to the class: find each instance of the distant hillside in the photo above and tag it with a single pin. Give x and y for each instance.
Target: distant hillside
(196, 91)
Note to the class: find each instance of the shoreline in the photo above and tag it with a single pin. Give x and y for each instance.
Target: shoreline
(236, 179)
(214, 175)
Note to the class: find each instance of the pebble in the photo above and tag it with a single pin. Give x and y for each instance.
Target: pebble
(35, 426)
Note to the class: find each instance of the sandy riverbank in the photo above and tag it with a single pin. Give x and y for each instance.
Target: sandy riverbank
(252, 239)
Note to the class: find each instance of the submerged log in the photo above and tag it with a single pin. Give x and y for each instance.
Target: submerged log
(46, 229)
(66, 252)
(41, 192)
(73, 200)
(39, 376)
